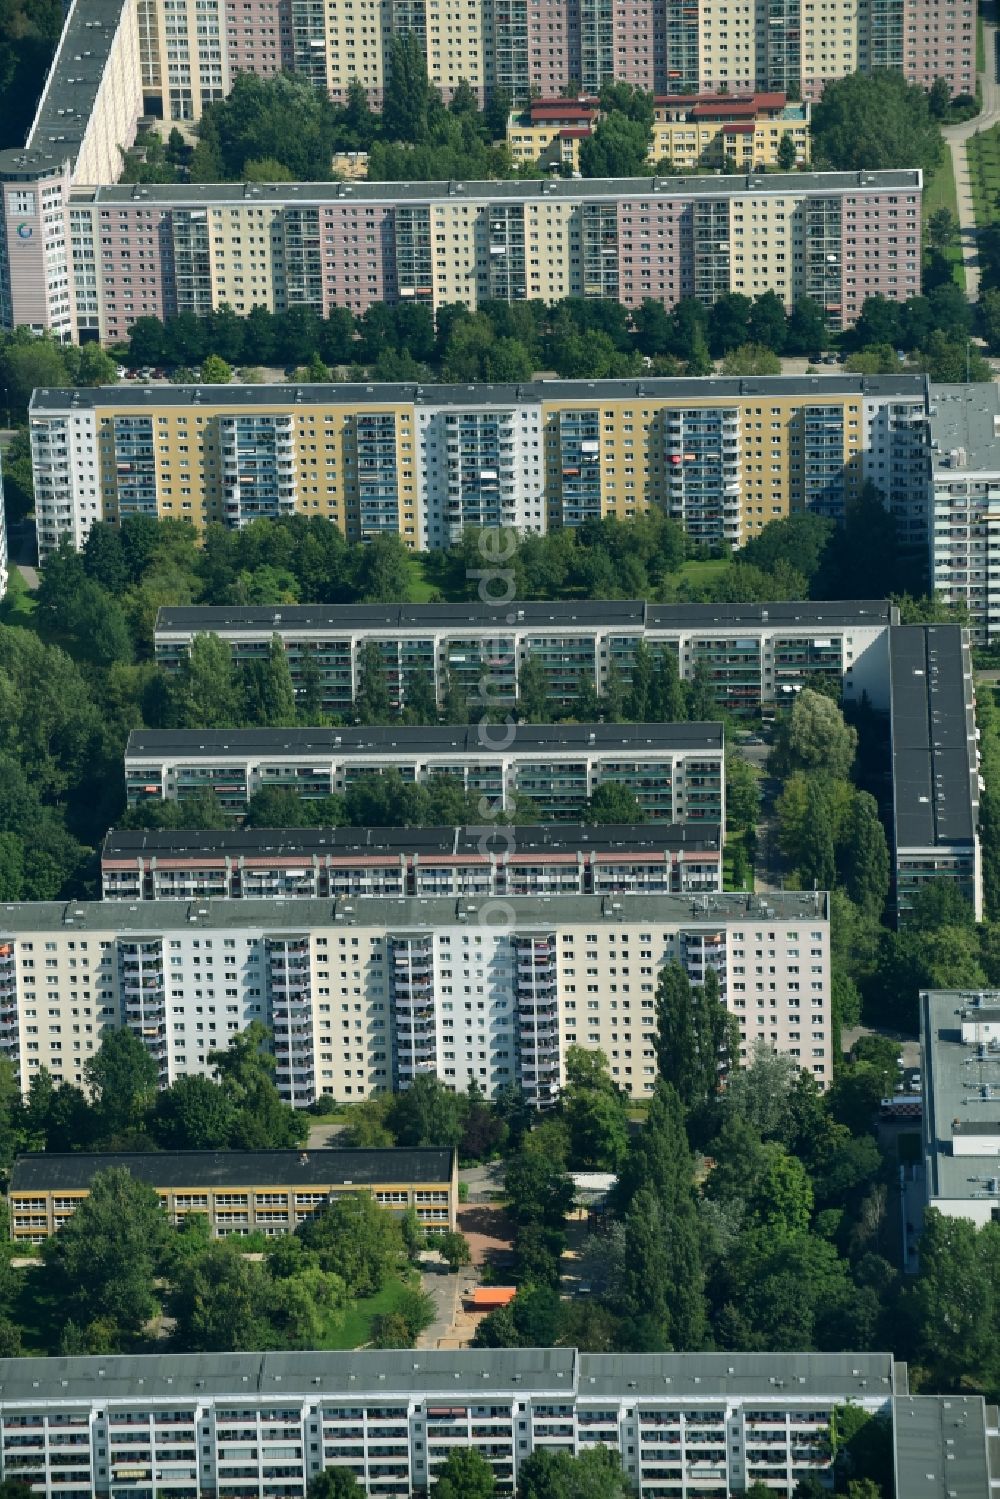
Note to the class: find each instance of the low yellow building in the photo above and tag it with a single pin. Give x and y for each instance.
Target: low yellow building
(239, 1192)
(695, 131)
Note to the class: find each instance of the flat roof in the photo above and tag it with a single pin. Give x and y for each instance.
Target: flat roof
(46, 1171)
(961, 1083)
(965, 426)
(415, 739)
(461, 1373)
(549, 189)
(70, 88)
(425, 842)
(940, 1448)
(390, 912)
(431, 396)
(932, 725)
(588, 615)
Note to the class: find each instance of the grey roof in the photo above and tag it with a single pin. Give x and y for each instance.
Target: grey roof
(961, 1087)
(70, 89)
(47, 1171)
(551, 189)
(933, 745)
(940, 1447)
(414, 739)
(780, 1376)
(427, 842)
(587, 615)
(964, 420)
(392, 913)
(207, 398)
(457, 1373)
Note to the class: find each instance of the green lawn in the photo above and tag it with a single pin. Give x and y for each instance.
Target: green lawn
(18, 603)
(420, 586)
(728, 882)
(702, 572)
(940, 192)
(356, 1328)
(984, 172)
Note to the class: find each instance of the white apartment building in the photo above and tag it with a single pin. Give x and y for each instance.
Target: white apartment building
(675, 771)
(757, 655)
(361, 995)
(298, 863)
(263, 1425)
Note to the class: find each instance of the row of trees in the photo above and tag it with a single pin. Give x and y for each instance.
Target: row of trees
(578, 338)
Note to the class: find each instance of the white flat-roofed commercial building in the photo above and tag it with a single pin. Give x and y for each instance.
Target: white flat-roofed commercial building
(362, 995)
(675, 771)
(756, 655)
(960, 1043)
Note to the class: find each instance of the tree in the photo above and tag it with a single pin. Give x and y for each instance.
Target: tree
(464, 1474)
(942, 228)
(550, 1474)
(122, 1078)
(453, 1249)
(104, 1260)
(751, 359)
(814, 736)
(204, 694)
(939, 98)
(595, 1110)
(220, 1302)
(335, 1483)
(806, 332)
(427, 1115)
(408, 95)
(268, 690)
(533, 704)
(668, 703)
(697, 1038)
(538, 1189)
(759, 1093)
(787, 158)
(865, 857)
(742, 794)
(372, 703)
(215, 371)
(613, 802)
(729, 323)
(354, 1238)
(193, 1114)
(245, 1073)
(618, 147)
(875, 122)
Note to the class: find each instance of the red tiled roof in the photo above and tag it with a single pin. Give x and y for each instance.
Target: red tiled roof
(574, 133)
(560, 109)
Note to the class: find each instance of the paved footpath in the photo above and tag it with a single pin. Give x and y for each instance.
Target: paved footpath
(956, 137)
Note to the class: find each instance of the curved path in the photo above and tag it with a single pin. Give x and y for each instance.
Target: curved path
(956, 137)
